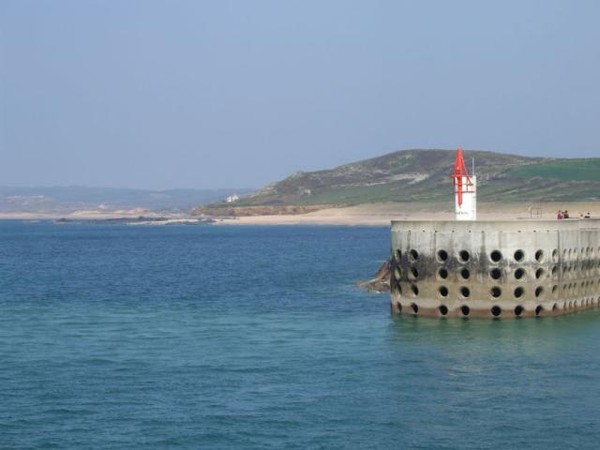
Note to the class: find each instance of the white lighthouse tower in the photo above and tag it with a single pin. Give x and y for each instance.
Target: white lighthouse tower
(465, 186)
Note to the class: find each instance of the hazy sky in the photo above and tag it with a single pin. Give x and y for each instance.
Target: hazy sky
(208, 94)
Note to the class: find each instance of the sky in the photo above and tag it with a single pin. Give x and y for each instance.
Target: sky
(161, 94)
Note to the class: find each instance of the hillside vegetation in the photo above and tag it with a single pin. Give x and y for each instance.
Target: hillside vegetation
(425, 176)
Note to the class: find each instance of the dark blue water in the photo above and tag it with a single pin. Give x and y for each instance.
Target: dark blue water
(258, 338)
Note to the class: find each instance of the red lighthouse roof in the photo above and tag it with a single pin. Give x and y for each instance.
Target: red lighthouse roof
(460, 172)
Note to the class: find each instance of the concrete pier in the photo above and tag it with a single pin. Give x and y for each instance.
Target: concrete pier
(495, 269)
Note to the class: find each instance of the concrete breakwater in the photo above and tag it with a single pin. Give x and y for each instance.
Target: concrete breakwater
(496, 269)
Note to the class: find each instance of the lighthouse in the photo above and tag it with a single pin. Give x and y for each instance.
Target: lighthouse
(465, 186)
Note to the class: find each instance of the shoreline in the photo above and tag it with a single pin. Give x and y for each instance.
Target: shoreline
(379, 214)
(382, 214)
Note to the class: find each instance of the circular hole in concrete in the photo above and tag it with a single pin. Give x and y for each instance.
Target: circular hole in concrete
(442, 255)
(539, 255)
(443, 310)
(539, 273)
(496, 256)
(519, 292)
(398, 255)
(496, 310)
(465, 310)
(538, 310)
(414, 273)
(496, 292)
(415, 289)
(554, 307)
(465, 274)
(443, 273)
(555, 255)
(399, 307)
(538, 291)
(519, 255)
(414, 307)
(518, 310)
(464, 256)
(413, 254)
(495, 273)
(443, 290)
(554, 270)
(519, 273)
(554, 288)
(397, 273)
(465, 292)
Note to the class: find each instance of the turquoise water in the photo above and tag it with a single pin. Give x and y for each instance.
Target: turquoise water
(257, 338)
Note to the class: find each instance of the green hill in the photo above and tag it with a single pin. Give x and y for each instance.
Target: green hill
(424, 176)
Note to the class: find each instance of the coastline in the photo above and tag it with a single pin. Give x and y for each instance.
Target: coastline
(381, 214)
(377, 214)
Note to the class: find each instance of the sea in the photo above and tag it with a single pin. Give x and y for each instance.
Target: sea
(116, 336)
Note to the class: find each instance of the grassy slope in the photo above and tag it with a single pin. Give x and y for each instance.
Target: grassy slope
(424, 176)
(562, 169)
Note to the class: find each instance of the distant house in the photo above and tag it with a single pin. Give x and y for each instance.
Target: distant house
(232, 198)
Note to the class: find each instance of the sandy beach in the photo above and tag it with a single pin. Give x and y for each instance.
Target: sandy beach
(380, 214)
(383, 213)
